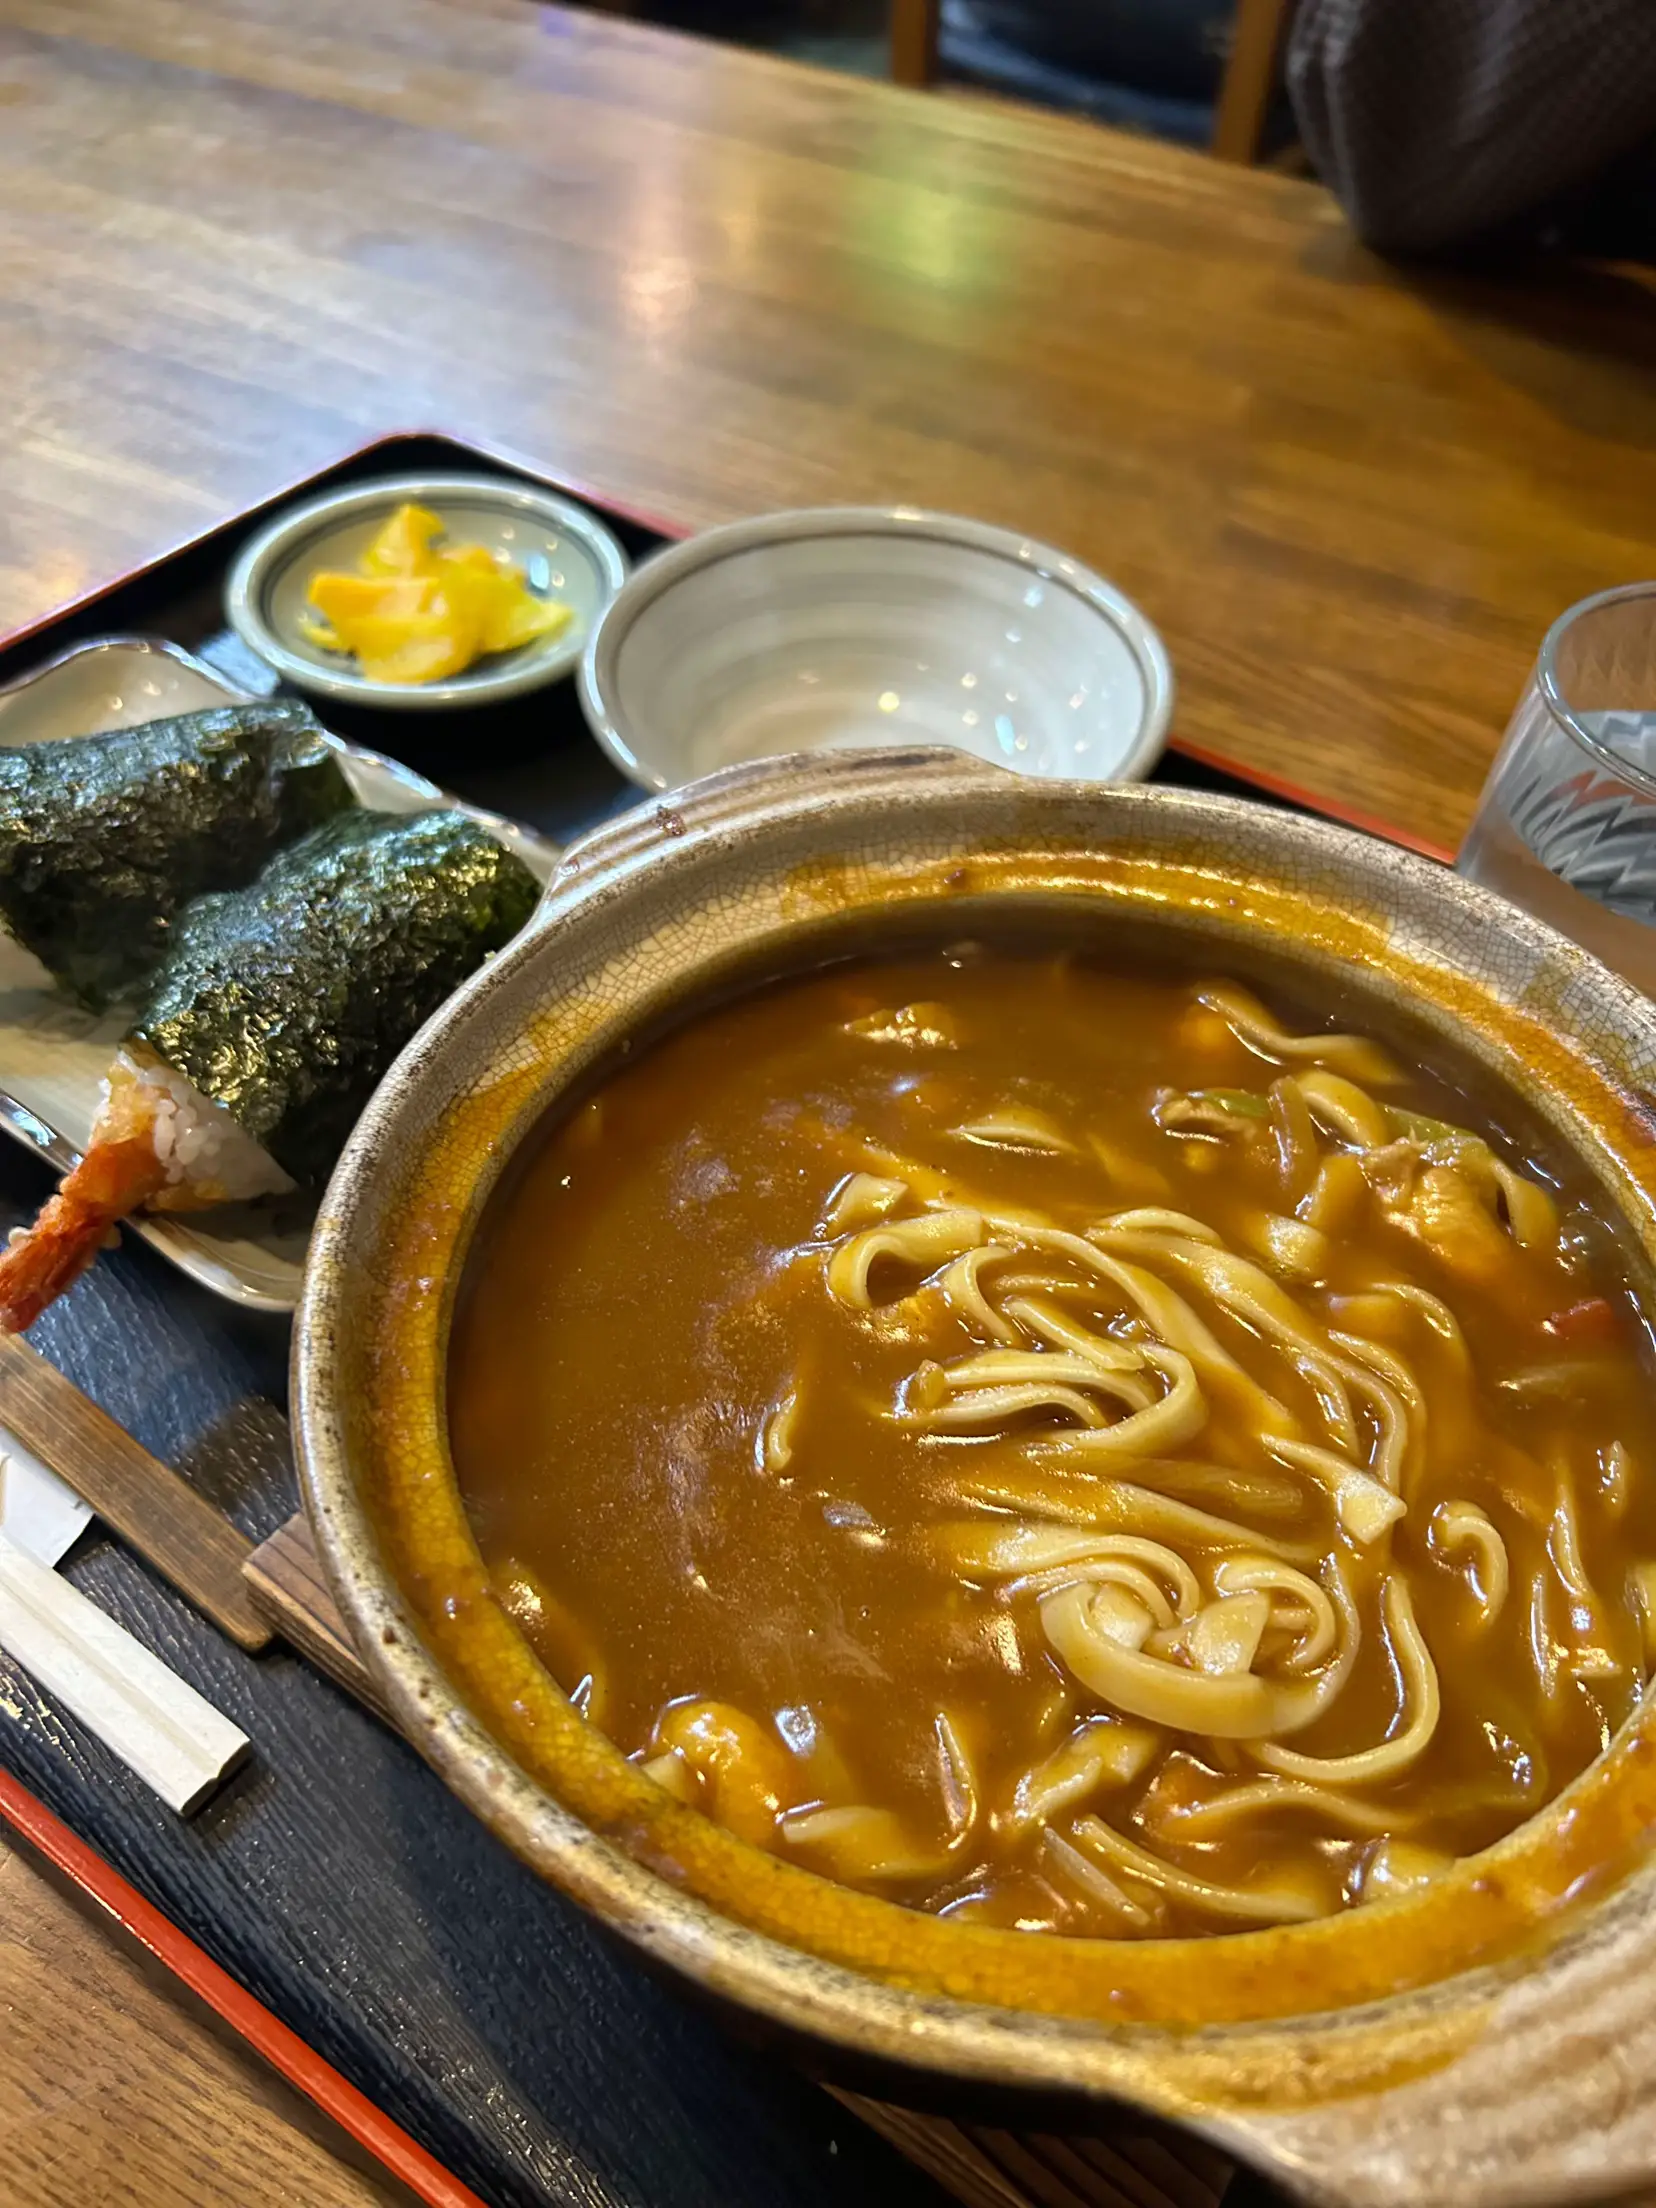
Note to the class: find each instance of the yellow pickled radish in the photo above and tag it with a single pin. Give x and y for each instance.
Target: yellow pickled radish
(403, 546)
(418, 648)
(522, 619)
(343, 599)
(469, 580)
(322, 634)
(415, 613)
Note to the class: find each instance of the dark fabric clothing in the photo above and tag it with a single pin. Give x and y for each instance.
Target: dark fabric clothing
(1172, 47)
(1444, 121)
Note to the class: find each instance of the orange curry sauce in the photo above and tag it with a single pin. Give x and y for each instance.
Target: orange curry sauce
(649, 1285)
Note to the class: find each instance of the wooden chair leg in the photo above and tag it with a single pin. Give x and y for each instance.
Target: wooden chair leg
(914, 34)
(1250, 79)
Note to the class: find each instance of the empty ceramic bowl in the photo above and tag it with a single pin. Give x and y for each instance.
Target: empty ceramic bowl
(855, 626)
(566, 553)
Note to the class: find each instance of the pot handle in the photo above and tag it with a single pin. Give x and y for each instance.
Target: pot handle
(697, 805)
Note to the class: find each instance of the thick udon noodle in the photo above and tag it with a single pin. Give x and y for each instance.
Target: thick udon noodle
(1254, 1498)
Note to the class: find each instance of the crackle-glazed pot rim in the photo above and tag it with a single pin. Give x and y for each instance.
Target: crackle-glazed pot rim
(1376, 2058)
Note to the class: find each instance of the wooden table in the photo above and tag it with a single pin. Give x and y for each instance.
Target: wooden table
(239, 235)
(111, 2089)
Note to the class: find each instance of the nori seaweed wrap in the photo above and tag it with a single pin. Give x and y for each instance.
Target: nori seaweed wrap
(285, 1002)
(104, 839)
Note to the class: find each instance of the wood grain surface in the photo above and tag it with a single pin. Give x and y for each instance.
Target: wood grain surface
(112, 2090)
(1250, 78)
(988, 2167)
(286, 1584)
(145, 1501)
(237, 236)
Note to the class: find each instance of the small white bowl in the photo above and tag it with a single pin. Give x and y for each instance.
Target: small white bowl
(849, 626)
(566, 552)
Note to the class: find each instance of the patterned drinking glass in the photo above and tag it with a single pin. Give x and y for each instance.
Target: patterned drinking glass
(1567, 822)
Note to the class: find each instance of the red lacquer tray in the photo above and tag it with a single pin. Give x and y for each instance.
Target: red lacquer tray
(335, 1906)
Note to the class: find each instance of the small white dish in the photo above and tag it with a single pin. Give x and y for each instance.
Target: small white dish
(850, 626)
(53, 1053)
(565, 551)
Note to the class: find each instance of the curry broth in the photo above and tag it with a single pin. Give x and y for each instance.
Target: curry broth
(648, 1289)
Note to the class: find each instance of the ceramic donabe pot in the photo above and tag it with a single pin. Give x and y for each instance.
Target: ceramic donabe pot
(1488, 2038)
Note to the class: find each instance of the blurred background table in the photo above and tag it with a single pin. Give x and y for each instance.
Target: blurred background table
(240, 236)
(237, 236)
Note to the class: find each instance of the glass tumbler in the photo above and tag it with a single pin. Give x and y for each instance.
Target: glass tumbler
(1566, 825)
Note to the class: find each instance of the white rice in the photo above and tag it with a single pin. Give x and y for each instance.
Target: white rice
(208, 1158)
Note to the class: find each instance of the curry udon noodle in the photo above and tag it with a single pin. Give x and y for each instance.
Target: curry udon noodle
(1086, 1452)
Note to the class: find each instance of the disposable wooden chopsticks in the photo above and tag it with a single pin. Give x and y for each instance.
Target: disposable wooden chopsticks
(150, 1506)
(160, 1727)
(251, 1593)
(157, 1724)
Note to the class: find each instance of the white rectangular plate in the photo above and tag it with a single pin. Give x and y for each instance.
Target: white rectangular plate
(53, 1054)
